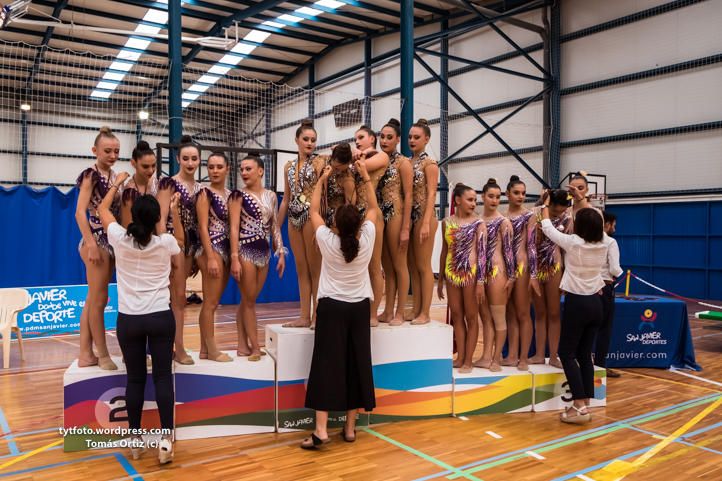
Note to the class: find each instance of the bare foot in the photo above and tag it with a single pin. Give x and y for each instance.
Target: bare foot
(458, 363)
(397, 320)
(107, 364)
(243, 352)
(83, 362)
(523, 365)
(182, 357)
(383, 317)
(299, 323)
(537, 360)
(465, 369)
(220, 357)
(509, 362)
(554, 361)
(495, 367)
(374, 321)
(203, 354)
(421, 320)
(409, 315)
(483, 363)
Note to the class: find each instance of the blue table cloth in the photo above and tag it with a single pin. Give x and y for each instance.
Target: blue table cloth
(651, 332)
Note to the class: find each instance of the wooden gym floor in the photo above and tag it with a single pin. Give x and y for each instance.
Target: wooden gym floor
(644, 407)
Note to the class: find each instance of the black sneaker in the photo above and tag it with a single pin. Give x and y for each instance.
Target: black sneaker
(194, 299)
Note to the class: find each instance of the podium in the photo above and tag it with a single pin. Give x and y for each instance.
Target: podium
(292, 349)
(551, 390)
(412, 368)
(94, 399)
(484, 392)
(224, 398)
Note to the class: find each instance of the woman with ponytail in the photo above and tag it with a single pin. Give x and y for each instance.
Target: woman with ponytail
(500, 275)
(395, 193)
(519, 307)
(143, 265)
(184, 264)
(423, 221)
(143, 182)
(97, 254)
(341, 378)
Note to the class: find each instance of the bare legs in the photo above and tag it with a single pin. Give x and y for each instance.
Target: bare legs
(212, 290)
(181, 269)
(464, 316)
(92, 325)
(308, 269)
(375, 273)
(520, 307)
(421, 260)
(396, 270)
(493, 316)
(252, 280)
(547, 308)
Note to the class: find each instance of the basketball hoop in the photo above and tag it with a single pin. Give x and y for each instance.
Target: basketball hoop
(598, 200)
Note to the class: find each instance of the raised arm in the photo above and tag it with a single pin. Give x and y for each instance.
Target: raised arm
(125, 210)
(565, 241)
(406, 171)
(376, 160)
(106, 216)
(315, 210)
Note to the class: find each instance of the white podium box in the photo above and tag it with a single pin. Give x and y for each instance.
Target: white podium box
(224, 398)
(94, 400)
(551, 390)
(292, 349)
(484, 392)
(412, 368)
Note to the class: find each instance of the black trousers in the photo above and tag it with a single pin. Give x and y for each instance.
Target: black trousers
(581, 319)
(604, 336)
(341, 376)
(157, 332)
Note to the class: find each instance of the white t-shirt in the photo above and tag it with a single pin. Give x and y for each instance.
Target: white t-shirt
(611, 268)
(142, 273)
(341, 280)
(583, 261)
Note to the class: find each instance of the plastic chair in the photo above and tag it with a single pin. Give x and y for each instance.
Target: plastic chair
(12, 301)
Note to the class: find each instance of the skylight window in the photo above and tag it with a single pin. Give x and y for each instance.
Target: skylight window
(256, 36)
(309, 11)
(329, 4)
(290, 18)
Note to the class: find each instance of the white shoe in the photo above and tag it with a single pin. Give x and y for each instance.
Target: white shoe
(165, 451)
(137, 447)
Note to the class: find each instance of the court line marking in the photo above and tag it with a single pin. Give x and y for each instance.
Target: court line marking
(535, 455)
(14, 451)
(23, 452)
(423, 456)
(493, 435)
(679, 440)
(585, 478)
(623, 468)
(672, 381)
(698, 378)
(30, 433)
(29, 454)
(125, 464)
(582, 436)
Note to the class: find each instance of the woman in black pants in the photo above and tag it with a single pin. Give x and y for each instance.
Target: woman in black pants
(584, 256)
(143, 264)
(341, 378)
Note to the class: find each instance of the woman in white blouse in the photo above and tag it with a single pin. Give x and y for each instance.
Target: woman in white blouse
(585, 254)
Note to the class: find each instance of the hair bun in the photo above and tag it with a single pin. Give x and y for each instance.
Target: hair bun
(186, 139)
(422, 122)
(491, 180)
(307, 123)
(394, 122)
(143, 145)
(514, 178)
(105, 130)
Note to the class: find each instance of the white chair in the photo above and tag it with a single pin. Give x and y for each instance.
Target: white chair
(12, 301)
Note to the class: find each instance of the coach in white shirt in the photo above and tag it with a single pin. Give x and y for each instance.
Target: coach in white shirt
(143, 264)
(610, 272)
(584, 255)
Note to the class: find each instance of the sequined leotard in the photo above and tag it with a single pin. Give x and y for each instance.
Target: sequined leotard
(466, 252)
(218, 228)
(188, 217)
(419, 202)
(495, 230)
(100, 186)
(258, 226)
(549, 256)
(390, 191)
(302, 188)
(520, 224)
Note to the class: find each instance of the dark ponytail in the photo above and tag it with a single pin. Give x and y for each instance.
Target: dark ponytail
(348, 222)
(141, 150)
(145, 213)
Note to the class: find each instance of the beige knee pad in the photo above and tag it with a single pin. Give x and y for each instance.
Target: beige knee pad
(498, 313)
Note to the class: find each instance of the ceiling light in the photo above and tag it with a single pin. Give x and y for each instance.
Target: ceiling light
(25, 107)
(143, 115)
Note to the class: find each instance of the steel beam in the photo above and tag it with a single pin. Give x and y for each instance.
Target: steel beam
(175, 84)
(407, 71)
(368, 50)
(444, 122)
(479, 64)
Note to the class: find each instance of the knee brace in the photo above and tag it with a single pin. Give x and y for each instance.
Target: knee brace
(498, 313)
